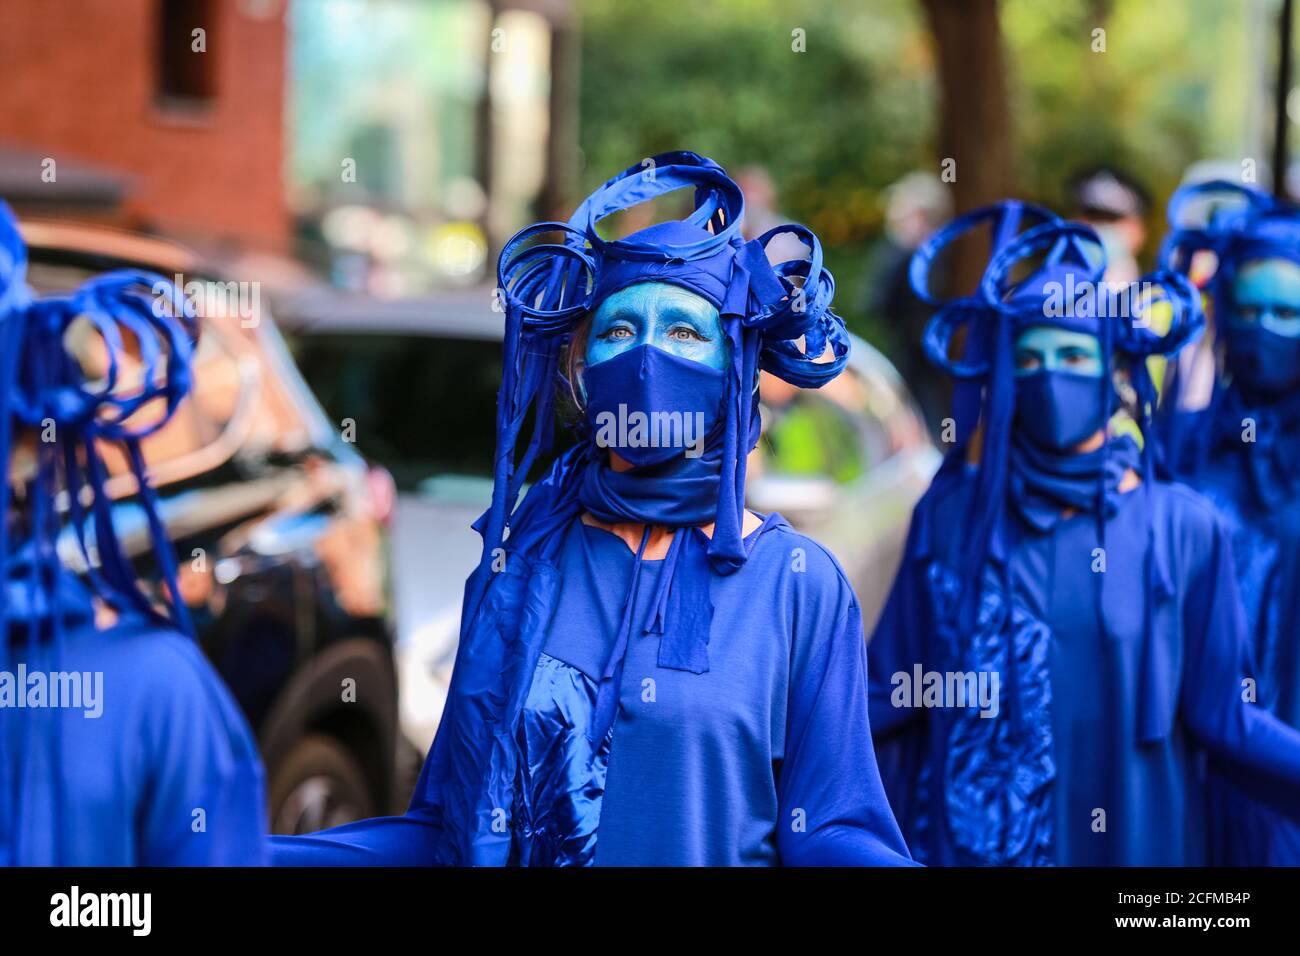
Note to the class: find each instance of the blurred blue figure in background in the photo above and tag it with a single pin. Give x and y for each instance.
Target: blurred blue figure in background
(119, 745)
(1065, 629)
(1243, 453)
(648, 673)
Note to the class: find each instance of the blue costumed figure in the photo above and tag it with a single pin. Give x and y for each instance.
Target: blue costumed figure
(1242, 451)
(119, 745)
(1064, 642)
(648, 674)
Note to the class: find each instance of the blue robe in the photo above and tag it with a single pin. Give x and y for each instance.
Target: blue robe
(764, 758)
(125, 788)
(1266, 553)
(1063, 775)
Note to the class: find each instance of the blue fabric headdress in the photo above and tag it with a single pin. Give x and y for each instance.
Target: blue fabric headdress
(44, 390)
(1065, 289)
(1237, 224)
(1234, 222)
(767, 311)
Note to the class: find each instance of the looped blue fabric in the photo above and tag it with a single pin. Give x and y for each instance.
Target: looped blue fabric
(1004, 220)
(719, 204)
(1065, 244)
(1255, 226)
(548, 284)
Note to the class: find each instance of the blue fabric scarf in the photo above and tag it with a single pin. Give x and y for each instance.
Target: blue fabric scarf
(1043, 483)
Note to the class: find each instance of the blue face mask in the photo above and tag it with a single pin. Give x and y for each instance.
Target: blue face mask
(1263, 334)
(650, 406)
(1262, 361)
(1058, 410)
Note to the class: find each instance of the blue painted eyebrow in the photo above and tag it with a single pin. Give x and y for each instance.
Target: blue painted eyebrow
(696, 321)
(622, 314)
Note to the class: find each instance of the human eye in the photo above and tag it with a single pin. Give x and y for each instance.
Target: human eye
(615, 332)
(686, 333)
(1027, 360)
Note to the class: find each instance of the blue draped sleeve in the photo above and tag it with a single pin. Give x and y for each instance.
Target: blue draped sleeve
(1261, 752)
(407, 840)
(832, 805)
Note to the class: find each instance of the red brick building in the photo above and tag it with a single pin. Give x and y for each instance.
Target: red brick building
(151, 125)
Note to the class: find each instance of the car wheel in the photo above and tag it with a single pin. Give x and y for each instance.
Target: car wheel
(319, 784)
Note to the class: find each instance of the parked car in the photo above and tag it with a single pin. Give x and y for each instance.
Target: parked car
(418, 378)
(280, 530)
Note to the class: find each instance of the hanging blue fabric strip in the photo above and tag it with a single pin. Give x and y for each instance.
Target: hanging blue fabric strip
(602, 717)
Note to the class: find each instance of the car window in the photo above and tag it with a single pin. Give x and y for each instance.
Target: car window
(422, 406)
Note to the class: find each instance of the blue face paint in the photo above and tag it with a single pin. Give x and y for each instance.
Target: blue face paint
(654, 378)
(1267, 292)
(665, 316)
(1046, 347)
(1263, 336)
(1059, 400)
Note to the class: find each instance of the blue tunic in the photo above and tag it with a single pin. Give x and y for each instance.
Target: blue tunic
(1062, 774)
(765, 758)
(166, 775)
(1266, 554)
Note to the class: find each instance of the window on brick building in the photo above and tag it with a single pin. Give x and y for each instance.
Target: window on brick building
(187, 74)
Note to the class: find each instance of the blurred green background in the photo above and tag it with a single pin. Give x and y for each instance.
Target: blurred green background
(1178, 81)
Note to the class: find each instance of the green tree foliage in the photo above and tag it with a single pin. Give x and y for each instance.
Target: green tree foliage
(1179, 80)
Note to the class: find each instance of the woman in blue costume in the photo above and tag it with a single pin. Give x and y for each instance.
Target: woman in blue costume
(1242, 451)
(1046, 556)
(119, 745)
(648, 674)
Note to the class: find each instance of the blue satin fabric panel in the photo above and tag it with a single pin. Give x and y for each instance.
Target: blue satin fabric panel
(561, 775)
